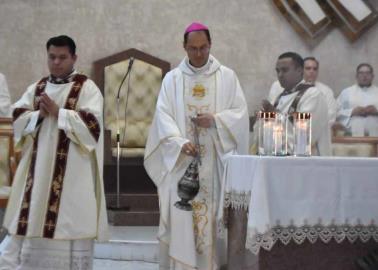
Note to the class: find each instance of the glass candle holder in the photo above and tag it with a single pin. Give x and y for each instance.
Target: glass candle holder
(280, 135)
(266, 133)
(302, 134)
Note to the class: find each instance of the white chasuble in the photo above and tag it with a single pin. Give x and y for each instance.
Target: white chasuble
(312, 102)
(188, 239)
(58, 193)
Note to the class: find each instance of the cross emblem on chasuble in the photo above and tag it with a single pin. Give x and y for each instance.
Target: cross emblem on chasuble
(23, 222)
(50, 225)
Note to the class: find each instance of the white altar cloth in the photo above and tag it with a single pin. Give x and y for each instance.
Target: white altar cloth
(298, 198)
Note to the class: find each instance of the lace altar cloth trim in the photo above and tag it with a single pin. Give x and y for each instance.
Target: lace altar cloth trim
(237, 200)
(339, 233)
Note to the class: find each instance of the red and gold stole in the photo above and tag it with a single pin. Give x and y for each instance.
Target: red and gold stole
(60, 163)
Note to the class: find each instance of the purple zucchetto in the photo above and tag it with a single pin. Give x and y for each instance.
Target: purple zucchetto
(195, 26)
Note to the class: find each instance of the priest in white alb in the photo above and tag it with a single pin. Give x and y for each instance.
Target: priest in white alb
(203, 92)
(293, 94)
(57, 204)
(310, 75)
(358, 104)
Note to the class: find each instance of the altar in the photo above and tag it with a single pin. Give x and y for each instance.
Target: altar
(300, 212)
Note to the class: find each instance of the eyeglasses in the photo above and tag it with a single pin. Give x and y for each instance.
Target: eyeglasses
(364, 72)
(202, 50)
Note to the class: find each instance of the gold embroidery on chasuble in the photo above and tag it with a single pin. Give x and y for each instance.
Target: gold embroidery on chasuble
(23, 218)
(198, 91)
(200, 220)
(40, 88)
(37, 100)
(199, 98)
(71, 103)
(50, 225)
(41, 85)
(193, 110)
(91, 123)
(60, 164)
(202, 150)
(23, 222)
(198, 109)
(25, 205)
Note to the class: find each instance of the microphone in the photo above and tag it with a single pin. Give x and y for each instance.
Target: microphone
(131, 62)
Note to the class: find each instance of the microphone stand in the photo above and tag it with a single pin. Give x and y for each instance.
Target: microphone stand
(118, 207)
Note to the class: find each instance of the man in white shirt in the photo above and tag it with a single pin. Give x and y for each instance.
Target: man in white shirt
(311, 72)
(357, 104)
(5, 100)
(293, 94)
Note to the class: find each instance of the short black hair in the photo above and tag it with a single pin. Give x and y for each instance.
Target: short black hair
(365, 65)
(207, 32)
(298, 60)
(312, 59)
(62, 41)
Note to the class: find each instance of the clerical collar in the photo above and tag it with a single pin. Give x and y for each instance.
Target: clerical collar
(67, 79)
(199, 70)
(365, 87)
(296, 88)
(301, 88)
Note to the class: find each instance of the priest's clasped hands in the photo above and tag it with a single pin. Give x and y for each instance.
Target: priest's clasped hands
(365, 111)
(203, 120)
(47, 107)
(266, 106)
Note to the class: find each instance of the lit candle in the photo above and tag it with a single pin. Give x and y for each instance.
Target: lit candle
(278, 142)
(268, 137)
(302, 135)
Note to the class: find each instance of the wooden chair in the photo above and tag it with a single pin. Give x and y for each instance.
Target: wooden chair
(146, 76)
(347, 146)
(145, 81)
(355, 146)
(8, 159)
